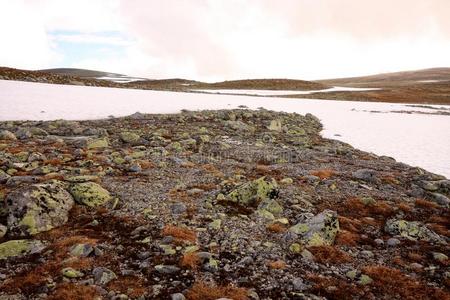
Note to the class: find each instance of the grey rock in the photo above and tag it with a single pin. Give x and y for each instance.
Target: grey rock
(178, 208)
(36, 208)
(318, 230)
(23, 134)
(177, 296)
(103, 275)
(393, 242)
(440, 199)
(412, 231)
(298, 284)
(4, 176)
(3, 230)
(7, 135)
(166, 269)
(368, 175)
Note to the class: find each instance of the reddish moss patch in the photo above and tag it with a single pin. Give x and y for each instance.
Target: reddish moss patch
(323, 174)
(190, 261)
(74, 292)
(276, 227)
(277, 264)
(329, 254)
(392, 283)
(180, 233)
(204, 291)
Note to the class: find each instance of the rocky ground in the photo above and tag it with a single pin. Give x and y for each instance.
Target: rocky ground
(233, 204)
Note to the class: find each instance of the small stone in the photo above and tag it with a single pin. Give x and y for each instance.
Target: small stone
(298, 284)
(177, 296)
(166, 269)
(441, 257)
(3, 230)
(71, 273)
(103, 275)
(393, 242)
(81, 250)
(295, 248)
(178, 208)
(365, 280)
(215, 225)
(287, 181)
(379, 242)
(307, 255)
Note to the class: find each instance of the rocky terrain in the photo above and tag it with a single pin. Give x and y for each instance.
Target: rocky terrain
(234, 204)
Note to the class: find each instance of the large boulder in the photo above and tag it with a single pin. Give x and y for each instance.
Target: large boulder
(412, 230)
(251, 192)
(130, 137)
(36, 208)
(16, 248)
(90, 194)
(319, 230)
(7, 135)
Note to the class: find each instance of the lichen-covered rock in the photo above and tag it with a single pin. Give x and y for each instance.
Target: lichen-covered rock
(7, 135)
(249, 193)
(97, 143)
(412, 231)
(271, 206)
(103, 275)
(15, 248)
(4, 176)
(90, 194)
(318, 230)
(129, 137)
(36, 208)
(3, 230)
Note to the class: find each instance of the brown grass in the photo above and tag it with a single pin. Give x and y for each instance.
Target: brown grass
(404, 207)
(354, 207)
(277, 264)
(422, 203)
(276, 227)
(72, 291)
(346, 238)
(190, 261)
(394, 284)
(342, 290)
(323, 174)
(329, 254)
(180, 233)
(204, 291)
(132, 286)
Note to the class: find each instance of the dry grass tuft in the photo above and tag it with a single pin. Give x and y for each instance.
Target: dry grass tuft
(132, 286)
(74, 292)
(203, 291)
(333, 288)
(180, 233)
(422, 203)
(190, 261)
(323, 174)
(394, 284)
(346, 238)
(329, 254)
(276, 227)
(277, 264)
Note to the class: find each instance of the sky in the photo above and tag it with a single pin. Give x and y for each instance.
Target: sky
(215, 40)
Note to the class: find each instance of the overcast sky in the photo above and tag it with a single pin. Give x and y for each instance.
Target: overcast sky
(227, 39)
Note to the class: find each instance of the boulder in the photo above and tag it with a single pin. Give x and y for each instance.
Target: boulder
(249, 193)
(38, 207)
(16, 248)
(129, 137)
(89, 193)
(412, 231)
(95, 143)
(318, 230)
(7, 135)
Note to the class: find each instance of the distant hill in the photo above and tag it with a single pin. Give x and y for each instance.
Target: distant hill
(264, 84)
(82, 73)
(393, 79)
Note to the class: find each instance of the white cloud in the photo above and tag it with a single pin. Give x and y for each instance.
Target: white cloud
(227, 39)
